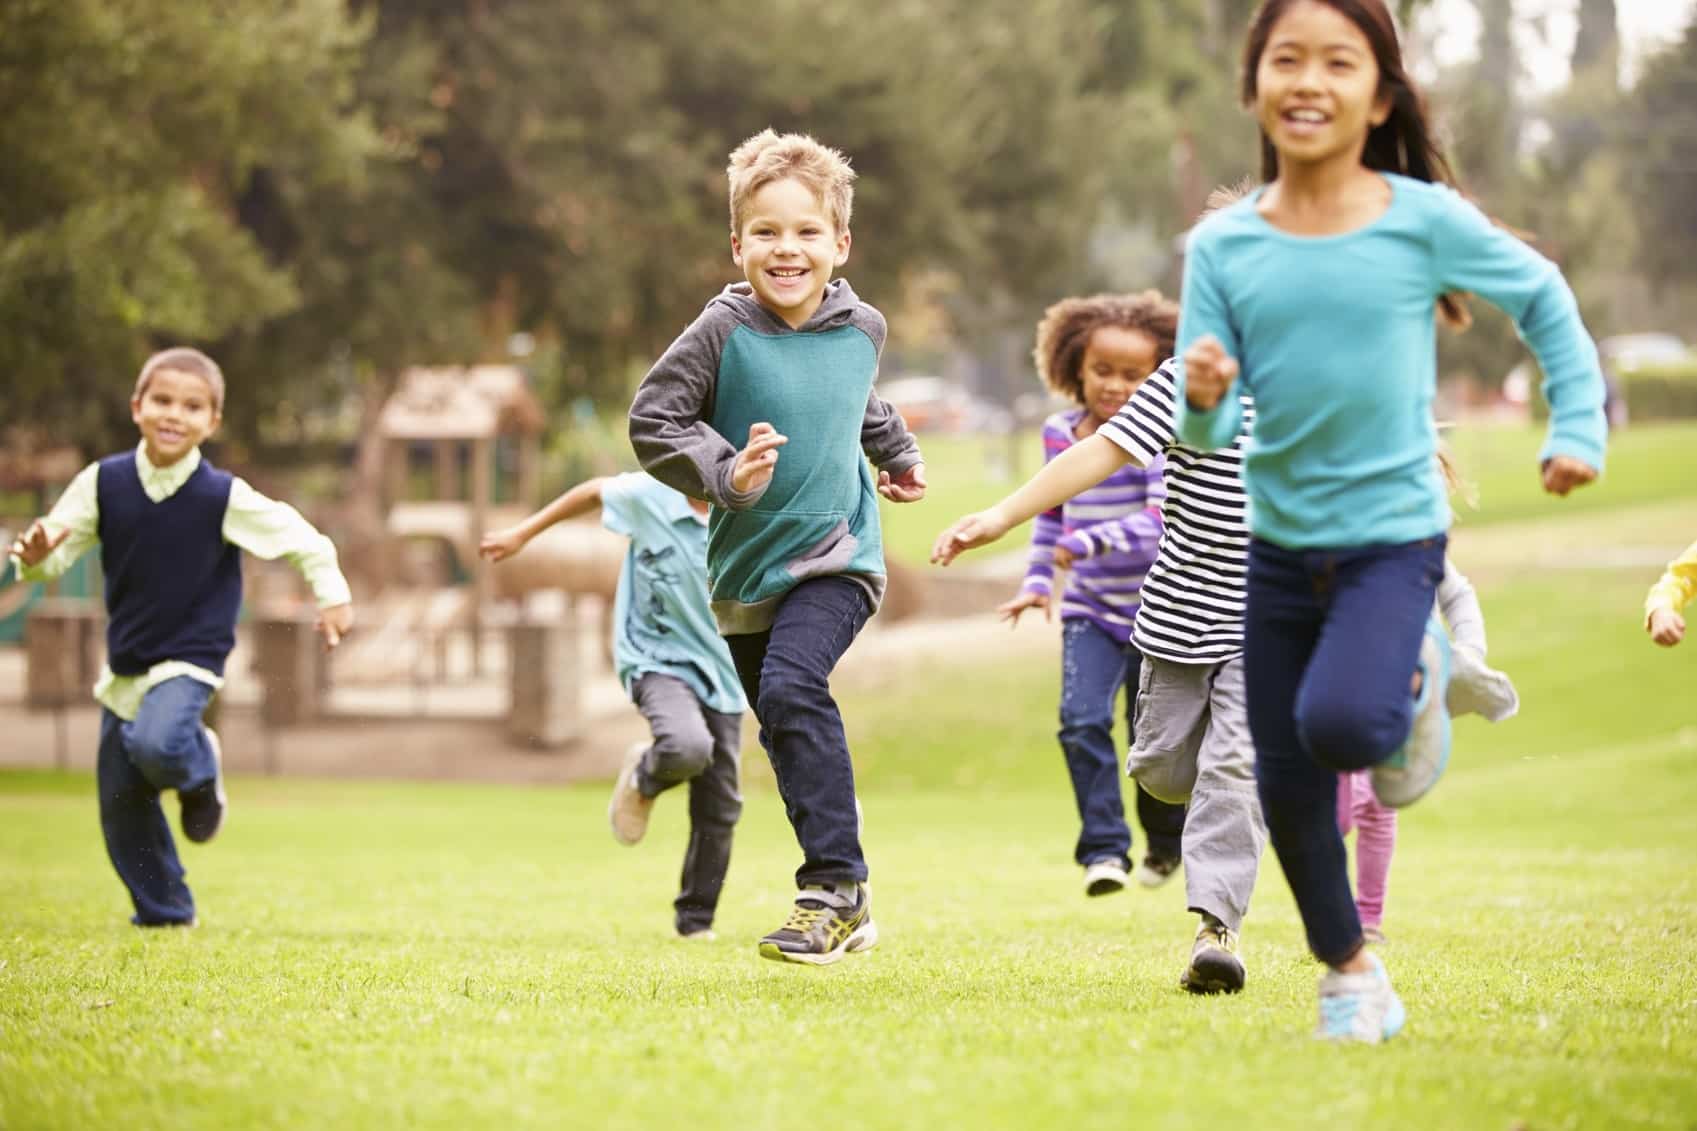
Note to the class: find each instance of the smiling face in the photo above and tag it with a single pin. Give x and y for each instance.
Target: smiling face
(1317, 87)
(175, 412)
(787, 247)
(1116, 362)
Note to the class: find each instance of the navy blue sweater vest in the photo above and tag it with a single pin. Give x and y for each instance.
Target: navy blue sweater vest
(173, 585)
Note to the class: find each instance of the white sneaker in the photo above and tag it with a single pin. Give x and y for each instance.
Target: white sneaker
(700, 934)
(1104, 876)
(1409, 774)
(628, 810)
(1359, 1007)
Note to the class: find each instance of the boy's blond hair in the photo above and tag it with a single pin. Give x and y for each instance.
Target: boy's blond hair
(186, 360)
(769, 156)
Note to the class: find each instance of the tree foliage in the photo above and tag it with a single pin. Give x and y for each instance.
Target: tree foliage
(326, 191)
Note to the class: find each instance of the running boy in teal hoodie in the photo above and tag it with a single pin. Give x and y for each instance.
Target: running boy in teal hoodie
(764, 406)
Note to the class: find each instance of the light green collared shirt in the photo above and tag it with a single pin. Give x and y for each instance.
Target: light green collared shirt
(262, 527)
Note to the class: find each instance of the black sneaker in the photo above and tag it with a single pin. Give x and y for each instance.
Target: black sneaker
(1214, 966)
(1157, 870)
(822, 927)
(203, 806)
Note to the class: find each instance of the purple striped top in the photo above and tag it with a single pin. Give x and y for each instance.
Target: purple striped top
(1113, 530)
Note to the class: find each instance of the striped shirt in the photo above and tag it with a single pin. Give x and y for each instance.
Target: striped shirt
(1112, 531)
(1193, 599)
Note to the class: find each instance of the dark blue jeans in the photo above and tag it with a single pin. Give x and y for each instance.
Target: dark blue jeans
(786, 674)
(165, 747)
(1331, 642)
(1094, 668)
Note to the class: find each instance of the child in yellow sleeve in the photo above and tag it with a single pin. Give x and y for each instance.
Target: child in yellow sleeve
(1669, 595)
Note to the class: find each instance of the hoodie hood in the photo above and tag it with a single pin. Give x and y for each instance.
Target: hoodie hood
(836, 308)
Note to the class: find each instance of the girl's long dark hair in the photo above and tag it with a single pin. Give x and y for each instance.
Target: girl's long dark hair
(1404, 143)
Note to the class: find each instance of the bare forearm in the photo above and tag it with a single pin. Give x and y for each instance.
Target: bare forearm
(1075, 470)
(582, 499)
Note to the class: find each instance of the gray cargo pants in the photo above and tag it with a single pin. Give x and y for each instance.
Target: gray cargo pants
(1191, 743)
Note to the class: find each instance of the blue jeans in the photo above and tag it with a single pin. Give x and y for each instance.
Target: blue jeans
(165, 747)
(786, 672)
(1331, 642)
(1094, 667)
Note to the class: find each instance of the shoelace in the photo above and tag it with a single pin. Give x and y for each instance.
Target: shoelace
(803, 918)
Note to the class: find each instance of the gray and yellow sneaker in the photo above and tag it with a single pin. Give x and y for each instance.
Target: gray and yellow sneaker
(1214, 966)
(825, 924)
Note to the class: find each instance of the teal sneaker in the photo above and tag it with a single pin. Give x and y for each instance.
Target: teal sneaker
(1409, 774)
(1359, 1007)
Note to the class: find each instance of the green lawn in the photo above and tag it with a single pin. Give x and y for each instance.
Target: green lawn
(1645, 463)
(382, 955)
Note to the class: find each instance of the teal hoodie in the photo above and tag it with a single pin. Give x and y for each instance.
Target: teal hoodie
(739, 364)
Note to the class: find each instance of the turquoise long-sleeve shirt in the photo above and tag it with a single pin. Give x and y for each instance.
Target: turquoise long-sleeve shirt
(1335, 338)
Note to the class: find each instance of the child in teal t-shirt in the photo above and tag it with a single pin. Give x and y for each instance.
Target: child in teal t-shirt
(676, 669)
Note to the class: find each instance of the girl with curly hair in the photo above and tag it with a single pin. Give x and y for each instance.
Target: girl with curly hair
(1097, 351)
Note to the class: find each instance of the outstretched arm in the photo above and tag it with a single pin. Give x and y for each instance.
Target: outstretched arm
(1670, 594)
(50, 546)
(498, 545)
(1081, 466)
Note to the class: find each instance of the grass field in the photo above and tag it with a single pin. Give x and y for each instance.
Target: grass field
(381, 955)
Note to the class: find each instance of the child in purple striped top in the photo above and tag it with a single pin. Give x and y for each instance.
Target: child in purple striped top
(1097, 351)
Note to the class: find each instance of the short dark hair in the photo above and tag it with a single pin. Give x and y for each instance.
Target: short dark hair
(186, 360)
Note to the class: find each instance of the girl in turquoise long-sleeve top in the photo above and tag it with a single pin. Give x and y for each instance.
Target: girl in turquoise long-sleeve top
(1317, 293)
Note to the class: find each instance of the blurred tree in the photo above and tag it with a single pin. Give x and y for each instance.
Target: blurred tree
(127, 128)
(1661, 135)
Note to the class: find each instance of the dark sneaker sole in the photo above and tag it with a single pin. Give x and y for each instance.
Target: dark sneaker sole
(1213, 975)
(1107, 885)
(201, 817)
(863, 938)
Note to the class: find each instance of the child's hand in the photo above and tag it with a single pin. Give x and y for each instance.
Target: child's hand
(908, 488)
(500, 545)
(33, 545)
(1666, 627)
(1027, 599)
(756, 463)
(1208, 372)
(335, 623)
(1063, 557)
(1563, 473)
(974, 530)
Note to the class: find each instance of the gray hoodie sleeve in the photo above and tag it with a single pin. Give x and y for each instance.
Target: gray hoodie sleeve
(1460, 607)
(883, 434)
(668, 419)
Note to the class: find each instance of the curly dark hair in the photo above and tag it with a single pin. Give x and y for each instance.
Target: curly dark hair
(1065, 331)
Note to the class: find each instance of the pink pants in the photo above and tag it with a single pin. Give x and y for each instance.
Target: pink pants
(1375, 840)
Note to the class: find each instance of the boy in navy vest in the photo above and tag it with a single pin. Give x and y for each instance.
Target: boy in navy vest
(795, 558)
(170, 527)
